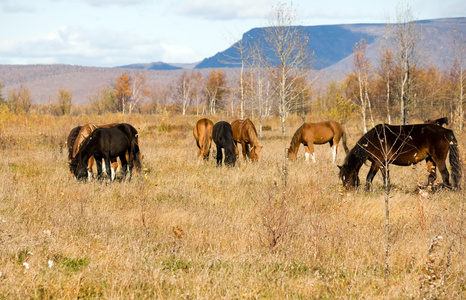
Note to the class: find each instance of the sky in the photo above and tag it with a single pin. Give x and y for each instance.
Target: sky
(109, 33)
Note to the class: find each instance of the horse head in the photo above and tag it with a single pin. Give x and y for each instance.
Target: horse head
(255, 153)
(349, 177)
(291, 154)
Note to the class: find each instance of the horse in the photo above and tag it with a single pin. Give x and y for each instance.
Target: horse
(87, 129)
(203, 134)
(104, 144)
(317, 133)
(245, 133)
(403, 145)
(439, 121)
(71, 139)
(222, 135)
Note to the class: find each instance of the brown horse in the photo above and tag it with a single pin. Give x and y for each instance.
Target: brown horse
(85, 131)
(403, 145)
(245, 133)
(203, 134)
(317, 133)
(439, 121)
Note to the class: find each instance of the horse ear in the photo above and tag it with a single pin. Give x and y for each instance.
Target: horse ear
(339, 167)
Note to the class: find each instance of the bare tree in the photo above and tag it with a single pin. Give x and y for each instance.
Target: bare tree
(458, 72)
(292, 58)
(385, 72)
(362, 69)
(403, 38)
(139, 90)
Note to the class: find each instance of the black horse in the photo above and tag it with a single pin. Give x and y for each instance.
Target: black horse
(107, 143)
(403, 145)
(222, 134)
(71, 139)
(439, 121)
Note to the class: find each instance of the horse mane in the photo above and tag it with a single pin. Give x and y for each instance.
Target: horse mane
(358, 154)
(71, 140)
(252, 133)
(296, 138)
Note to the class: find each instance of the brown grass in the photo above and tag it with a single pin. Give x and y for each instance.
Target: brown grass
(184, 230)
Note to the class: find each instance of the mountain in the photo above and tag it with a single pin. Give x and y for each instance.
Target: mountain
(160, 66)
(333, 44)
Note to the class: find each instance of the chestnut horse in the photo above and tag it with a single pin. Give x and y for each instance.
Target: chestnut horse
(203, 134)
(317, 133)
(245, 133)
(403, 145)
(71, 139)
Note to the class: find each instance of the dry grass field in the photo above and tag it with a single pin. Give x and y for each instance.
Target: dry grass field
(183, 230)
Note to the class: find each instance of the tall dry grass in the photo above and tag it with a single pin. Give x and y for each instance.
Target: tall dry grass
(184, 230)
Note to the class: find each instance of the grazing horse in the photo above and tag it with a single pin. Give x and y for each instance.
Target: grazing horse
(317, 133)
(439, 121)
(222, 135)
(403, 145)
(104, 144)
(87, 129)
(245, 133)
(71, 139)
(203, 134)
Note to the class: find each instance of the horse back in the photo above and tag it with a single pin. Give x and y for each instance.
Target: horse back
(203, 129)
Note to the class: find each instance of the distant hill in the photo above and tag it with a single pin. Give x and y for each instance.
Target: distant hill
(161, 66)
(333, 44)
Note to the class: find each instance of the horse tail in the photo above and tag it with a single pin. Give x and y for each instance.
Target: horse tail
(296, 140)
(455, 162)
(345, 145)
(205, 142)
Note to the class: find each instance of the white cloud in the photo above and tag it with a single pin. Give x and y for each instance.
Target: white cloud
(226, 9)
(71, 45)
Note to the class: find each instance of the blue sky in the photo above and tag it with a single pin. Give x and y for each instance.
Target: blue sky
(109, 33)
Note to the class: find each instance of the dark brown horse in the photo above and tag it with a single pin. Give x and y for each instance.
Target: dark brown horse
(245, 133)
(86, 130)
(104, 144)
(439, 121)
(223, 138)
(403, 145)
(203, 134)
(317, 133)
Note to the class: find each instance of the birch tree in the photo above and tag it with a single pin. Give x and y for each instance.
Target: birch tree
(403, 38)
(292, 58)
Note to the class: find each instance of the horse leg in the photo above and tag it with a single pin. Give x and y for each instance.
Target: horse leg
(130, 159)
(370, 176)
(108, 167)
(219, 156)
(98, 163)
(124, 165)
(442, 167)
(310, 147)
(245, 150)
(114, 167)
(90, 163)
(431, 169)
(334, 151)
(306, 153)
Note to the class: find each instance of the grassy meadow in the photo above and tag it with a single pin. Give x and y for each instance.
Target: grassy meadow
(183, 230)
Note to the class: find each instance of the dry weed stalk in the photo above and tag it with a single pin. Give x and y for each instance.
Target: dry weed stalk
(433, 282)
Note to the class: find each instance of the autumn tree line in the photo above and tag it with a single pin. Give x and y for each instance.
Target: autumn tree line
(395, 89)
